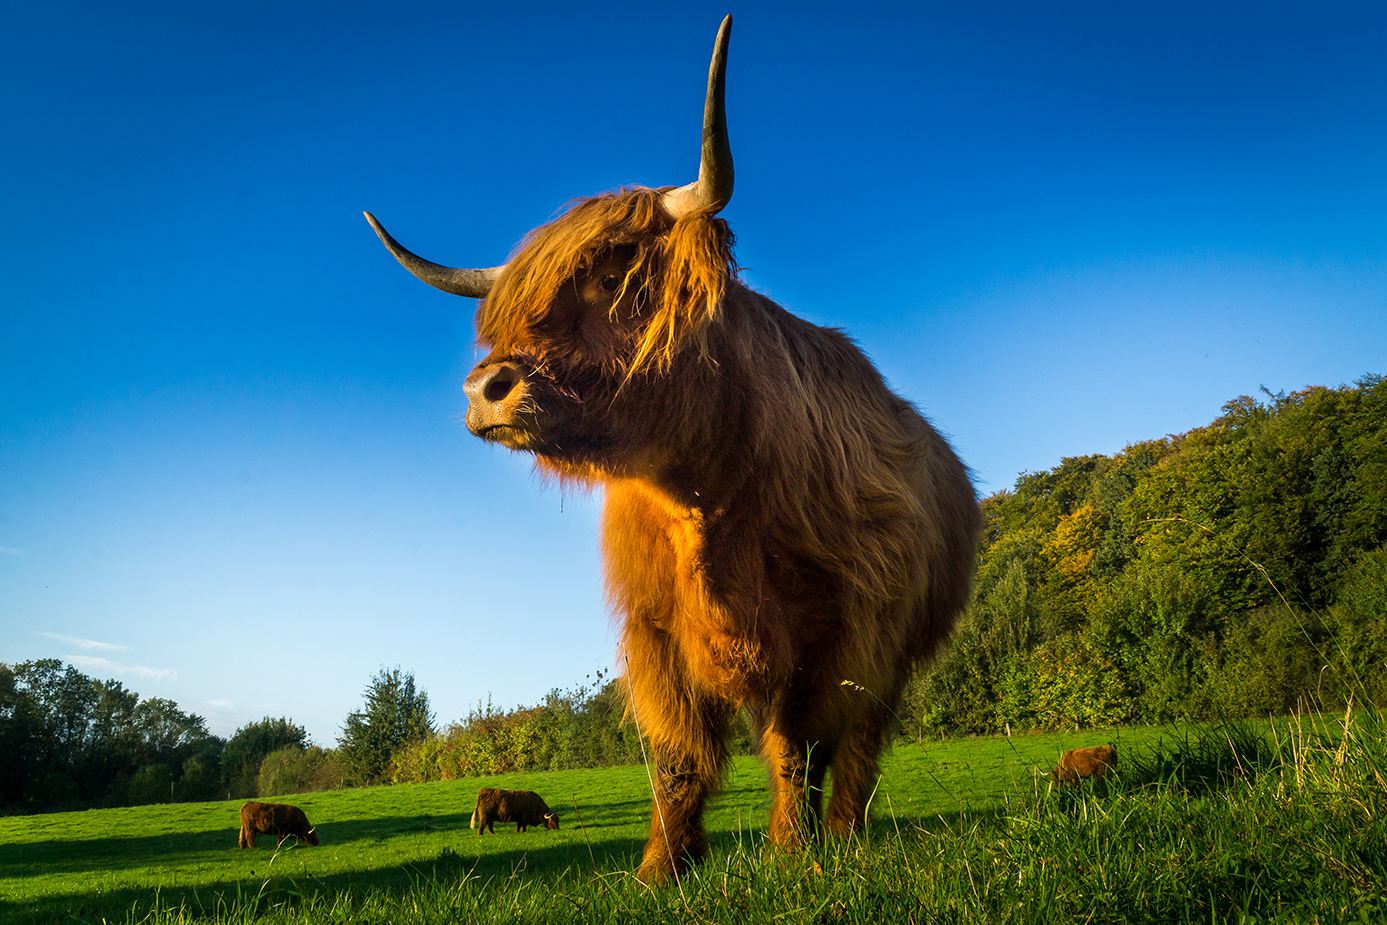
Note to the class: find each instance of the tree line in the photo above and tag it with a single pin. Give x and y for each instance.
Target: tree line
(1235, 570)
(69, 741)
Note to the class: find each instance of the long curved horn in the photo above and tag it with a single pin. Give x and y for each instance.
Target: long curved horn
(713, 188)
(474, 284)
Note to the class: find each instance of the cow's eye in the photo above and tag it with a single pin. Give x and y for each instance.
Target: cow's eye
(610, 283)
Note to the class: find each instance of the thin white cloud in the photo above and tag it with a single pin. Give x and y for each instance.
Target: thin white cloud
(223, 719)
(86, 643)
(116, 668)
(7, 551)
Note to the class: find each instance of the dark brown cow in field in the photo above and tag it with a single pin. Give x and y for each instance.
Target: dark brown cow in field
(523, 807)
(782, 533)
(278, 819)
(1094, 761)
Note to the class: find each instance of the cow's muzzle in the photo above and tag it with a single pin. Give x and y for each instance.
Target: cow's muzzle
(496, 395)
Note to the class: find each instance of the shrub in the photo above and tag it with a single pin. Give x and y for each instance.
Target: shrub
(152, 783)
(579, 728)
(1356, 624)
(293, 770)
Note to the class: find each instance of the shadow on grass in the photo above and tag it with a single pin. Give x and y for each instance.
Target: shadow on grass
(280, 883)
(65, 856)
(283, 882)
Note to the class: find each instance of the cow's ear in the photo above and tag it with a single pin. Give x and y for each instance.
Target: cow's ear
(695, 266)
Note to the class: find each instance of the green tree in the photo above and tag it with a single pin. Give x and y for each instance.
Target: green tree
(152, 783)
(165, 730)
(200, 777)
(115, 748)
(247, 748)
(23, 745)
(396, 714)
(65, 698)
(293, 770)
(1357, 626)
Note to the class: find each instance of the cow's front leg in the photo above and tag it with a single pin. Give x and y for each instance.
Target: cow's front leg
(690, 753)
(688, 733)
(677, 839)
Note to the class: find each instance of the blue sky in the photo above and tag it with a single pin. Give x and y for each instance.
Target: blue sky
(232, 466)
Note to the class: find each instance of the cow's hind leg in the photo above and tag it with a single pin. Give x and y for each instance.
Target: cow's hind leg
(796, 765)
(855, 769)
(247, 839)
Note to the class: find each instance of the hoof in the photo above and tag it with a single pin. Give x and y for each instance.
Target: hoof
(658, 871)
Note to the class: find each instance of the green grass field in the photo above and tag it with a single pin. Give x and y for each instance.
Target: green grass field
(964, 830)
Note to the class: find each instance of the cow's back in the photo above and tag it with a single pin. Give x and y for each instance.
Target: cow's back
(1094, 761)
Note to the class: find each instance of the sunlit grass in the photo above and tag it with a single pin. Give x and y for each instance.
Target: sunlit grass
(1240, 822)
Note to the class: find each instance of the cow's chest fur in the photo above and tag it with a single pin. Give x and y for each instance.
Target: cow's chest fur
(696, 583)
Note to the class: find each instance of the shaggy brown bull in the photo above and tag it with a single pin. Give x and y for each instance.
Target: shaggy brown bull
(277, 819)
(1094, 761)
(523, 807)
(781, 532)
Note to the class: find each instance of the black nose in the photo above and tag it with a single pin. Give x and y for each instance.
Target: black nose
(489, 385)
(495, 393)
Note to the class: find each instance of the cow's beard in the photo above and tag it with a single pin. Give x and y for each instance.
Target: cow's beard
(561, 421)
(584, 424)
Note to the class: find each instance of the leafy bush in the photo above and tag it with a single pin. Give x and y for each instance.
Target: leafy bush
(299, 770)
(1356, 627)
(152, 783)
(247, 748)
(583, 727)
(1271, 661)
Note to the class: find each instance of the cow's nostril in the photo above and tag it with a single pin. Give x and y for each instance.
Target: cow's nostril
(499, 385)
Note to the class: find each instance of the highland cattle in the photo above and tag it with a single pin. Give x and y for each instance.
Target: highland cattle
(781, 532)
(1094, 761)
(522, 807)
(278, 819)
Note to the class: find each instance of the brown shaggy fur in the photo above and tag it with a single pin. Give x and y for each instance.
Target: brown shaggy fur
(1094, 761)
(523, 807)
(782, 533)
(676, 279)
(278, 819)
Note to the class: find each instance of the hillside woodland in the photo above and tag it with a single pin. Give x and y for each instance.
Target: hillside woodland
(1235, 570)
